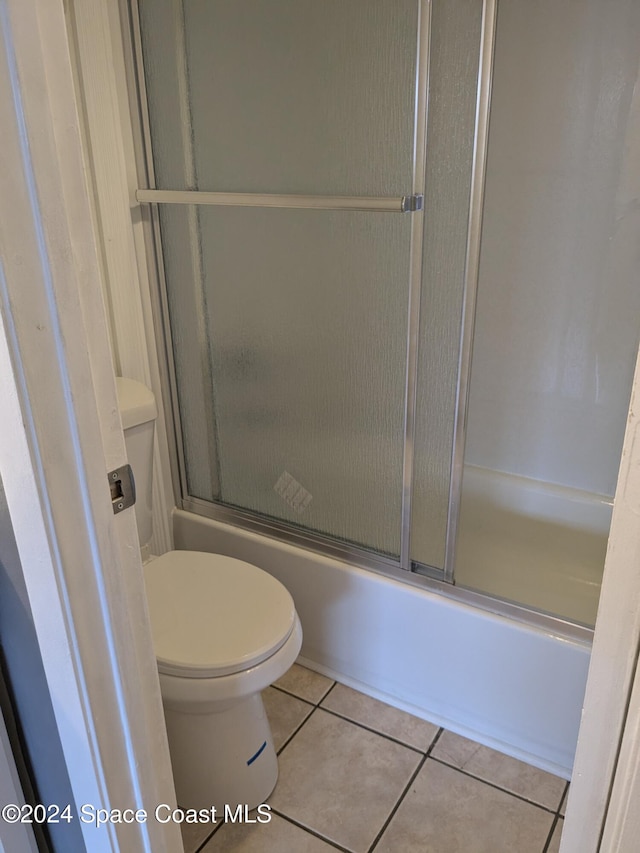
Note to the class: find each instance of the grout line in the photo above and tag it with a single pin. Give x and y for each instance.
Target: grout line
(564, 797)
(373, 731)
(346, 719)
(208, 838)
(313, 832)
(439, 734)
(289, 693)
(330, 690)
(314, 708)
(301, 698)
(405, 790)
(494, 785)
(554, 823)
(293, 696)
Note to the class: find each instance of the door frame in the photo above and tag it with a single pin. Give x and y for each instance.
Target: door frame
(61, 434)
(605, 784)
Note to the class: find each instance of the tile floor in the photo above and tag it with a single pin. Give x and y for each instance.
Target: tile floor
(357, 775)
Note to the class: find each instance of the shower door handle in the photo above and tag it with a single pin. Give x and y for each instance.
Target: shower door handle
(384, 204)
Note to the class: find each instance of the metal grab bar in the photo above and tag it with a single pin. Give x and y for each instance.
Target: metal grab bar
(402, 204)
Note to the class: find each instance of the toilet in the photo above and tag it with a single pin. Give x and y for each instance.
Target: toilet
(223, 630)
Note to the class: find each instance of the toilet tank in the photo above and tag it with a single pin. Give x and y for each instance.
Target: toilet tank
(138, 412)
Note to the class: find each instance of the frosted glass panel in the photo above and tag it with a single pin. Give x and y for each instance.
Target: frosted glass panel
(455, 43)
(558, 310)
(284, 96)
(183, 271)
(558, 296)
(305, 315)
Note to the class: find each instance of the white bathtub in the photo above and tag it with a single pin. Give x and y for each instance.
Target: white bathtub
(509, 685)
(533, 542)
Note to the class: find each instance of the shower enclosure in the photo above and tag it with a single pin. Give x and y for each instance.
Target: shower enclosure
(330, 205)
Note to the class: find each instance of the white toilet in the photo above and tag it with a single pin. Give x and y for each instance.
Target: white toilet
(223, 630)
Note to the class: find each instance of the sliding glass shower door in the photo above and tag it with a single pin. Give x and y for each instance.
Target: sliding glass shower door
(305, 326)
(286, 157)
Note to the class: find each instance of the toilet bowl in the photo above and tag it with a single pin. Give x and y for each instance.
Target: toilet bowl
(223, 630)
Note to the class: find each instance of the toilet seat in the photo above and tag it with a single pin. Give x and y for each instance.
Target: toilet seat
(212, 615)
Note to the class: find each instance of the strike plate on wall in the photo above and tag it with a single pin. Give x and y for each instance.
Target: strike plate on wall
(123, 488)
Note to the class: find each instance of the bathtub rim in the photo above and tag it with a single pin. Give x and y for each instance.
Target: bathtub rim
(422, 578)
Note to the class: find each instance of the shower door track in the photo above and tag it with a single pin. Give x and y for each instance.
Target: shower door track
(421, 577)
(302, 537)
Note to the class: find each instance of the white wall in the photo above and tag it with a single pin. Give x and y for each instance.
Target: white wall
(559, 299)
(95, 36)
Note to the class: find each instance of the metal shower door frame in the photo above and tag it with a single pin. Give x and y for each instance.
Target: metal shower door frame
(150, 198)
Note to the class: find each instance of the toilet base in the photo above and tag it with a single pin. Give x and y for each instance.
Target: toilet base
(223, 757)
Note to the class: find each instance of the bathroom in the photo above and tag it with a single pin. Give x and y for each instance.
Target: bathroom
(501, 656)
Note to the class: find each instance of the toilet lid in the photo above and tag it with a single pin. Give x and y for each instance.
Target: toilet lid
(213, 615)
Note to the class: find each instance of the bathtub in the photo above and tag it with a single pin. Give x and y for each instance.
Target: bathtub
(506, 683)
(533, 542)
